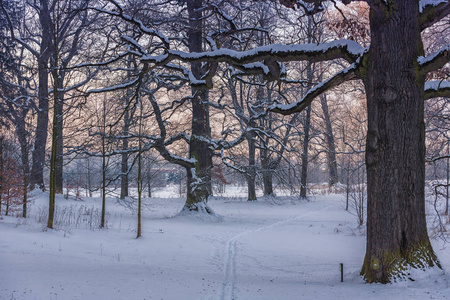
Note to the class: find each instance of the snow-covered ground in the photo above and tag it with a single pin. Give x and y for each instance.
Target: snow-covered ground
(269, 249)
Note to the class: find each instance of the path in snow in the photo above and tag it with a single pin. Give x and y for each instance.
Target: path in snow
(229, 282)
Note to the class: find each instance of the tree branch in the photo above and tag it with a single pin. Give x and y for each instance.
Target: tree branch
(434, 89)
(432, 12)
(270, 55)
(340, 77)
(436, 60)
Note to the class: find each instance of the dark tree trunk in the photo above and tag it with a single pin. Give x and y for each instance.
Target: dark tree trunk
(395, 155)
(22, 138)
(59, 137)
(124, 165)
(307, 122)
(149, 186)
(305, 157)
(199, 183)
(329, 138)
(1, 172)
(251, 174)
(53, 157)
(37, 172)
(267, 172)
(104, 166)
(268, 182)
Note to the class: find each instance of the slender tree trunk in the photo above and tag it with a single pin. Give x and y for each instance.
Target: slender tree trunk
(329, 137)
(89, 186)
(22, 137)
(347, 185)
(124, 165)
(102, 222)
(7, 203)
(305, 157)
(1, 172)
(448, 179)
(37, 172)
(251, 176)
(149, 186)
(104, 166)
(307, 123)
(397, 235)
(139, 179)
(149, 176)
(59, 139)
(51, 206)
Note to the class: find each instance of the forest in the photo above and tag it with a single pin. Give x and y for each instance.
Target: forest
(119, 100)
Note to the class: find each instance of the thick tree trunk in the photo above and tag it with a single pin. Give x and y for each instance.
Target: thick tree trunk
(329, 138)
(305, 157)
(37, 172)
(395, 156)
(199, 183)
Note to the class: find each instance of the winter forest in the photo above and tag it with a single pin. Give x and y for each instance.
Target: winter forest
(224, 149)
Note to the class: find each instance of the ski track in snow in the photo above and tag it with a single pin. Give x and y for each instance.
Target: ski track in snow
(229, 282)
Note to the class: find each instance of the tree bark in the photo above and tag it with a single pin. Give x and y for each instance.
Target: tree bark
(124, 164)
(397, 235)
(198, 179)
(268, 181)
(1, 172)
(251, 174)
(304, 171)
(59, 138)
(24, 150)
(331, 148)
(37, 172)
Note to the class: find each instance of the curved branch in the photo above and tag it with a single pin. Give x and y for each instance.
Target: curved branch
(436, 60)
(432, 12)
(434, 89)
(160, 143)
(346, 49)
(340, 77)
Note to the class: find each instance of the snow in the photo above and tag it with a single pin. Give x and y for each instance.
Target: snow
(280, 50)
(424, 3)
(273, 248)
(436, 85)
(423, 60)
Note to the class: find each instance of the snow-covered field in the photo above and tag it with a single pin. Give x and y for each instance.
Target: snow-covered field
(269, 249)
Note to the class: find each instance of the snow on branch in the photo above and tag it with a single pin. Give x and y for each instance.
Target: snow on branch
(436, 60)
(269, 55)
(121, 86)
(434, 89)
(432, 11)
(346, 74)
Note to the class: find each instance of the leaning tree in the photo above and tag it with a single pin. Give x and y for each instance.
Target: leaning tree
(393, 70)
